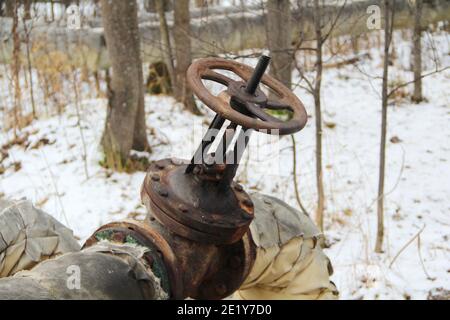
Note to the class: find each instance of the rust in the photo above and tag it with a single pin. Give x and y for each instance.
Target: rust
(197, 226)
(163, 193)
(248, 203)
(149, 238)
(204, 69)
(202, 215)
(200, 201)
(199, 209)
(221, 289)
(204, 267)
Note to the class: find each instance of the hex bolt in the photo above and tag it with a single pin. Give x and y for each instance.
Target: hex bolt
(221, 289)
(155, 177)
(160, 166)
(175, 162)
(248, 203)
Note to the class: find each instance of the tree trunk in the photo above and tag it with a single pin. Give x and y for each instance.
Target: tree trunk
(389, 17)
(140, 142)
(166, 47)
(125, 123)
(16, 68)
(318, 114)
(181, 35)
(279, 40)
(30, 71)
(417, 52)
(8, 8)
(200, 3)
(27, 9)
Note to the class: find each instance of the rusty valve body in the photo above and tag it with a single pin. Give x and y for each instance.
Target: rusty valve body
(184, 268)
(199, 199)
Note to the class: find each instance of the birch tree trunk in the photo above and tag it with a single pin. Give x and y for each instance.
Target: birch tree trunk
(279, 40)
(181, 35)
(389, 17)
(417, 52)
(318, 115)
(125, 123)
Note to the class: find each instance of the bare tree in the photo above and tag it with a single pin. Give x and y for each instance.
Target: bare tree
(318, 113)
(28, 54)
(165, 40)
(389, 12)
(417, 52)
(322, 31)
(183, 55)
(279, 39)
(16, 68)
(125, 123)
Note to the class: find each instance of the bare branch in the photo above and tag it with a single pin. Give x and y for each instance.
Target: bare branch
(412, 81)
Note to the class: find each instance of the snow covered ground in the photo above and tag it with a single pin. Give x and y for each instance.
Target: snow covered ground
(48, 168)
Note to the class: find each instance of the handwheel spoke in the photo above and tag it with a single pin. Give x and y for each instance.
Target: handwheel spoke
(260, 113)
(216, 77)
(276, 105)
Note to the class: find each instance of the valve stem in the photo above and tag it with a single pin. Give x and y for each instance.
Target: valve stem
(258, 73)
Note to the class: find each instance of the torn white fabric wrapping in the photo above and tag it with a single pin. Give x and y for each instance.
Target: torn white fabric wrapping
(133, 256)
(104, 271)
(29, 235)
(290, 263)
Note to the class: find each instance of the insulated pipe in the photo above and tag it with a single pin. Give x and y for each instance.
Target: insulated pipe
(102, 272)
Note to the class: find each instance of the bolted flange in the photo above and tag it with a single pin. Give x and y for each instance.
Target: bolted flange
(199, 209)
(159, 255)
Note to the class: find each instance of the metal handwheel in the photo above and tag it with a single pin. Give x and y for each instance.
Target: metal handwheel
(247, 95)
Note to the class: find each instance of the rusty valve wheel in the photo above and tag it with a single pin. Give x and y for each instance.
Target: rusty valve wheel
(247, 103)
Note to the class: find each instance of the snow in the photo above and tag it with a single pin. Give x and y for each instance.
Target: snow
(417, 172)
